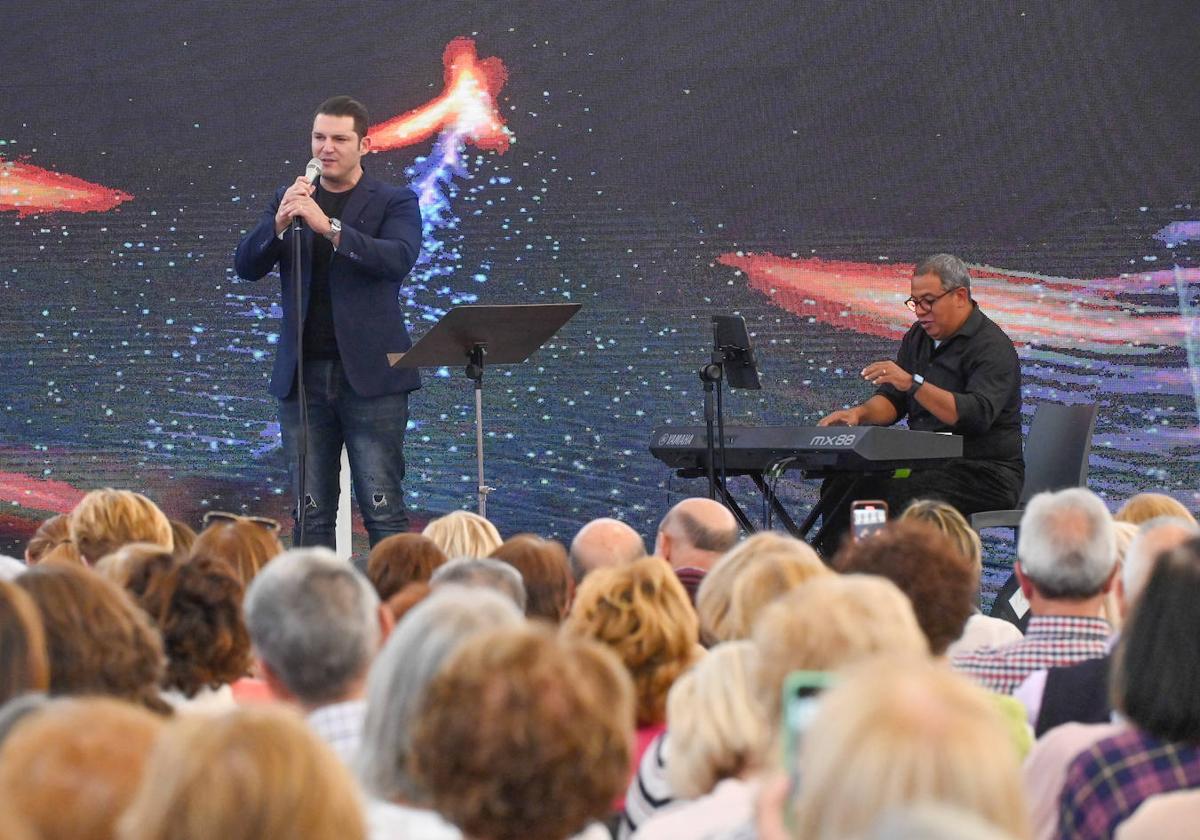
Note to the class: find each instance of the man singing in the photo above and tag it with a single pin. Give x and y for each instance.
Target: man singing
(360, 238)
(956, 372)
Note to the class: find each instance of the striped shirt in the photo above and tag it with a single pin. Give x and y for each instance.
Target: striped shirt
(1050, 641)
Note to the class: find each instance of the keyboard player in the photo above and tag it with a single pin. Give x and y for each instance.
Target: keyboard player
(956, 371)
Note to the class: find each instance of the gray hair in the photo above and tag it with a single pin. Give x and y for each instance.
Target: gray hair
(948, 268)
(483, 572)
(411, 658)
(1068, 546)
(1152, 540)
(314, 620)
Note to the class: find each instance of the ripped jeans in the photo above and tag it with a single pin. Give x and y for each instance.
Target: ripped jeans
(372, 429)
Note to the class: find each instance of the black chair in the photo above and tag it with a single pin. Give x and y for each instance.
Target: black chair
(1056, 457)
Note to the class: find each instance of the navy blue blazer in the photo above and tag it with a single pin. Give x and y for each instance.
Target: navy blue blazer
(380, 242)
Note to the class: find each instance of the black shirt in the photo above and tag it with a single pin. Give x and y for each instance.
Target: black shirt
(979, 365)
(320, 340)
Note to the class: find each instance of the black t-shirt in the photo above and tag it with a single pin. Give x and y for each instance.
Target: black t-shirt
(320, 340)
(979, 365)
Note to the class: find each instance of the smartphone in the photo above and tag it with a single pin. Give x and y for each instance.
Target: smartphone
(867, 518)
(801, 700)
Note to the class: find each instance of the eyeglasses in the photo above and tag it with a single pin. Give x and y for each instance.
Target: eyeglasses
(225, 516)
(926, 303)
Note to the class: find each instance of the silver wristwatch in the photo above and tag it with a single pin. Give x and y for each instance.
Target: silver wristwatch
(335, 227)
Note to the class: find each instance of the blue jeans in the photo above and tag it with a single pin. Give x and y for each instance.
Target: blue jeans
(372, 430)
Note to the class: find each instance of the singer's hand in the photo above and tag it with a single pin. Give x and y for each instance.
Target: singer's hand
(291, 205)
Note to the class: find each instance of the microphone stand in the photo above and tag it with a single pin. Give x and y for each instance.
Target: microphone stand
(302, 432)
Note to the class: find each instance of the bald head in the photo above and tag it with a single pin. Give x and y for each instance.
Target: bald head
(1153, 539)
(695, 533)
(604, 542)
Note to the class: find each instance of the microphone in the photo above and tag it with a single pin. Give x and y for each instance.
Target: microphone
(311, 173)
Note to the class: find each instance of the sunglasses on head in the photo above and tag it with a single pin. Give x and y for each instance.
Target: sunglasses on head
(225, 516)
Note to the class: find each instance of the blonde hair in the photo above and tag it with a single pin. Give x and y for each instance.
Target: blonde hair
(52, 533)
(781, 569)
(104, 520)
(70, 769)
(1110, 607)
(461, 533)
(119, 566)
(641, 611)
(900, 732)
(950, 522)
(1146, 506)
(714, 599)
(829, 623)
(717, 726)
(251, 773)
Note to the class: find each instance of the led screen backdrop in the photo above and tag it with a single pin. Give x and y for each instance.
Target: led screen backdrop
(656, 162)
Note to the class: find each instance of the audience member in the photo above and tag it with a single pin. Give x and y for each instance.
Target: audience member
(23, 662)
(1079, 692)
(396, 686)
(246, 774)
(104, 520)
(1066, 562)
(715, 743)
(11, 568)
(938, 579)
(463, 534)
(315, 626)
(829, 623)
(604, 542)
(137, 560)
(714, 599)
(780, 564)
(182, 539)
(544, 747)
(980, 630)
(895, 733)
(71, 768)
(642, 612)
(1110, 607)
(1143, 507)
(401, 559)
(245, 544)
(407, 598)
(49, 535)
(692, 536)
(1156, 688)
(197, 606)
(485, 573)
(98, 641)
(544, 571)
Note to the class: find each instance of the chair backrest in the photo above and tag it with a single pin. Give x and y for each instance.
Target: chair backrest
(1057, 448)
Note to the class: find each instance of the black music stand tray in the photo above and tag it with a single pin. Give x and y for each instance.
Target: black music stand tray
(504, 334)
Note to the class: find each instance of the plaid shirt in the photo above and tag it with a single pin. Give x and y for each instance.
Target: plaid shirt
(1108, 781)
(1050, 641)
(340, 725)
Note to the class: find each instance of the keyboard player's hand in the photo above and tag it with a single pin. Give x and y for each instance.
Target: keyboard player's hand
(844, 417)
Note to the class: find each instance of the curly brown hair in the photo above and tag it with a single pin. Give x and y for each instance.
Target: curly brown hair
(543, 747)
(927, 567)
(544, 569)
(642, 612)
(97, 639)
(197, 606)
(401, 559)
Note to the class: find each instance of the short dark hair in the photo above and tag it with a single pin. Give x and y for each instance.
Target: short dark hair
(1154, 679)
(344, 106)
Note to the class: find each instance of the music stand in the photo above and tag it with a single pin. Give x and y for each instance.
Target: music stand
(504, 334)
(732, 360)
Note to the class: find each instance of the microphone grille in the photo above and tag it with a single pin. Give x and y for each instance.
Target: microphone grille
(313, 171)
